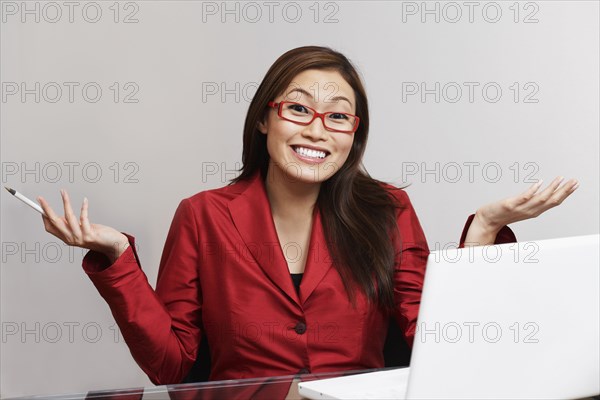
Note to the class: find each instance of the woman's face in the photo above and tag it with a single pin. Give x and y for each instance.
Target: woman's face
(297, 151)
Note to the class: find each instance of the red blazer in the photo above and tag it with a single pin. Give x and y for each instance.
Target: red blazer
(223, 274)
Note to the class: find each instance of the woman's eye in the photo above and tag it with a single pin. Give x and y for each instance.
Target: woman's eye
(338, 116)
(298, 107)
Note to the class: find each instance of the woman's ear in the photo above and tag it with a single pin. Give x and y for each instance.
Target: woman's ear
(262, 126)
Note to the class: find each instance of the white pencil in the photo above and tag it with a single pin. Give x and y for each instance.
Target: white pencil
(25, 200)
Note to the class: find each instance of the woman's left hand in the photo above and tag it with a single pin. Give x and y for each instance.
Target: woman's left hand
(490, 218)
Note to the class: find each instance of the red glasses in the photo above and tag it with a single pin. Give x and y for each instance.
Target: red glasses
(304, 115)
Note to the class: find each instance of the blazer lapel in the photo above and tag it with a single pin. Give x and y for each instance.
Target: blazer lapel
(318, 261)
(251, 214)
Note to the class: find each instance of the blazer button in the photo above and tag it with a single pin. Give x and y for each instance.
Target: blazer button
(300, 328)
(304, 371)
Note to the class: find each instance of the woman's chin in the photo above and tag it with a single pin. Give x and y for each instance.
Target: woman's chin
(314, 174)
(307, 173)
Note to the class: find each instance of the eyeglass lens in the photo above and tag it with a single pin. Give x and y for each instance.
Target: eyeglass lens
(333, 120)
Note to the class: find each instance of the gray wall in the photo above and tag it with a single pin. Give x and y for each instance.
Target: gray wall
(175, 84)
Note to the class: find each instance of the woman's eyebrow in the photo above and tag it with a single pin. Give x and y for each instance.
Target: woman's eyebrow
(332, 99)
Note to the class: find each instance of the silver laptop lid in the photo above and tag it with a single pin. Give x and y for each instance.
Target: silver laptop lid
(517, 320)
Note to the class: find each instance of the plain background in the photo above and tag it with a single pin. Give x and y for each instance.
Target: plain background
(168, 123)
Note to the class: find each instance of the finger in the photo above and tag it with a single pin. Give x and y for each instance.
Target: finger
(51, 220)
(63, 227)
(48, 225)
(563, 192)
(83, 218)
(546, 193)
(529, 193)
(50, 214)
(570, 186)
(535, 187)
(70, 215)
(57, 222)
(575, 186)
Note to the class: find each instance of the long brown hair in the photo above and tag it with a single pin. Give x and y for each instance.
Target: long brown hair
(358, 213)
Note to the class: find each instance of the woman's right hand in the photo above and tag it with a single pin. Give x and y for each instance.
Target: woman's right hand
(81, 233)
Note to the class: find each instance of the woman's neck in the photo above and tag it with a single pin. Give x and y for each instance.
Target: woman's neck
(290, 199)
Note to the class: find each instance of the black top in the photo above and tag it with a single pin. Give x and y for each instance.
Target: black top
(296, 278)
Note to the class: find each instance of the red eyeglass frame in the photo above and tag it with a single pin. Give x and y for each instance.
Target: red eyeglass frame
(316, 114)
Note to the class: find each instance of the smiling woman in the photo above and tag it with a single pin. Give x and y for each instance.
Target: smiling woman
(293, 140)
(299, 263)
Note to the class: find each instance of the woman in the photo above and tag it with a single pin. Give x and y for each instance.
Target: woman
(302, 204)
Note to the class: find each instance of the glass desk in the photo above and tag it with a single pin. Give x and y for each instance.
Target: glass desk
(271, 388)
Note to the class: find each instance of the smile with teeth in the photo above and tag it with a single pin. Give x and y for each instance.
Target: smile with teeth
(303, 151)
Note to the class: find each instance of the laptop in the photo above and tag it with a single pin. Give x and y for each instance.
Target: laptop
(516, 320)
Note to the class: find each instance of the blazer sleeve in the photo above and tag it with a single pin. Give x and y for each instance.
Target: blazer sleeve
(505, 235)
(409, 272)
(411, 260)
(162, 326)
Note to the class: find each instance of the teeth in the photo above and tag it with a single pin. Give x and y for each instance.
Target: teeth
(310, 153)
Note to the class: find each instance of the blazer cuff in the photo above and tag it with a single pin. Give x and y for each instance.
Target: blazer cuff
(98, 264)
(505, 235)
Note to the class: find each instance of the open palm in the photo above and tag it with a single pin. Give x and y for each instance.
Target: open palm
(80, 232)
(528, 204)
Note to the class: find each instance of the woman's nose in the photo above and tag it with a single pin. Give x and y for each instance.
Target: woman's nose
(316, 129)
